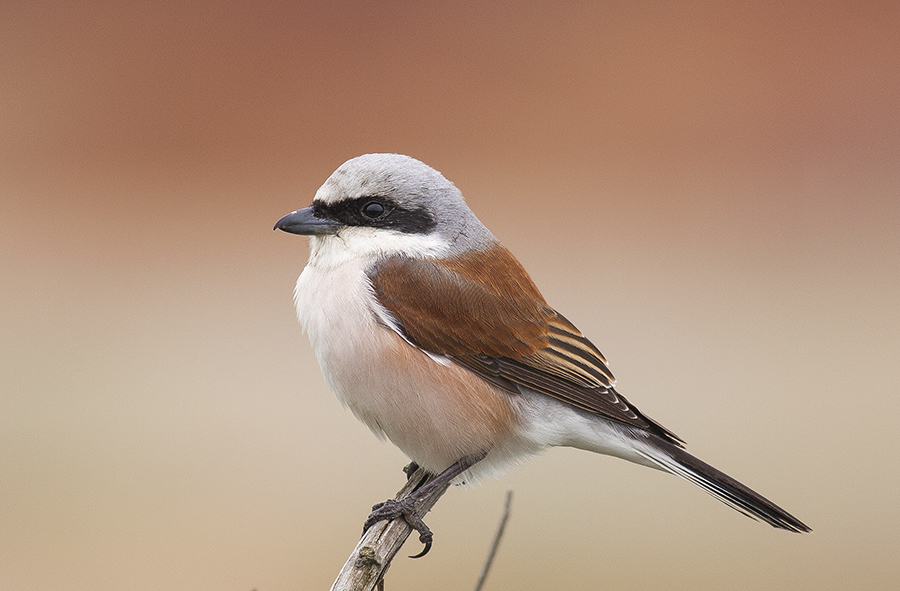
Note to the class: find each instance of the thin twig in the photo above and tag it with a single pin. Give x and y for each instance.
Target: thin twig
(489, 561)
(376, 549)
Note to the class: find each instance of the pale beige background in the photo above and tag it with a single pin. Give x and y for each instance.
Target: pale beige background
(709, 190)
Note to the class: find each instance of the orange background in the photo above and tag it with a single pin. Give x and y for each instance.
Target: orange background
(709, 190)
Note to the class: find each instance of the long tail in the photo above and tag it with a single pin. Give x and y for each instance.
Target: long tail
(725, 488)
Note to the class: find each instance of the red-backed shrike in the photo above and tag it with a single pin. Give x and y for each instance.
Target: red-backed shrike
(434, 335)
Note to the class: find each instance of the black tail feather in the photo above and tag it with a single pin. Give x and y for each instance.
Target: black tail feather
(725, 488)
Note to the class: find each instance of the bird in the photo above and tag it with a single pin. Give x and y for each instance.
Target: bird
(435, 337)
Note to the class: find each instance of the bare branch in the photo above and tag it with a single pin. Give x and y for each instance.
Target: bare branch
(373, 554)
(489, 561)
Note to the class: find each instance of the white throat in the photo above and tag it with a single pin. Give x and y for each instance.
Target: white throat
(370, 244)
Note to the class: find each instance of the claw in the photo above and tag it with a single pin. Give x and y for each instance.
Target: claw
(425, 550)
(407, 506)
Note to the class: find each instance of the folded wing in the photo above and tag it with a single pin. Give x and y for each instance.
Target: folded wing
(483, 311)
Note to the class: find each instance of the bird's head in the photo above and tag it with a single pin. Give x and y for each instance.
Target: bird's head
(387, 204)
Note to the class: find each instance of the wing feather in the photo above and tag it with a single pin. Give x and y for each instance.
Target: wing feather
(483, 311)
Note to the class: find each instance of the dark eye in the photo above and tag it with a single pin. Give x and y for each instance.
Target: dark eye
(373, 210)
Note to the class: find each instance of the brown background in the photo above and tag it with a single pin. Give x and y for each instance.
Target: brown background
(709, 190)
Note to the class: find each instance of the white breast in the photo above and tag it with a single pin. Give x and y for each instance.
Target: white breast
(435, 413)
(334, 307)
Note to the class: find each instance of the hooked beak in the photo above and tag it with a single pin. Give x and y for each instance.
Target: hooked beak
(304, 222)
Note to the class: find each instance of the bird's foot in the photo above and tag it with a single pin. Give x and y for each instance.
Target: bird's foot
(409, 469)
(406, 508)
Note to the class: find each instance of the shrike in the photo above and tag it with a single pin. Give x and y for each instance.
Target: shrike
(434, 335)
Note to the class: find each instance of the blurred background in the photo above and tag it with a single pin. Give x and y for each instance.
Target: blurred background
(709, 190)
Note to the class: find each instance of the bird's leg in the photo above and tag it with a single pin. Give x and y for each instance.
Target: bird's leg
(407, 507)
